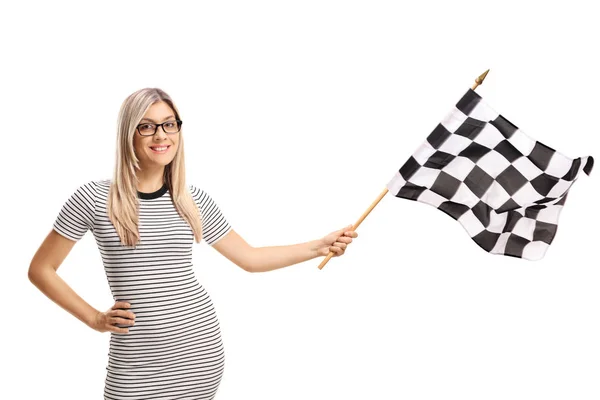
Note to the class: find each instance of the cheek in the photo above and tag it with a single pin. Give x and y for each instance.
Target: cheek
(138, 147)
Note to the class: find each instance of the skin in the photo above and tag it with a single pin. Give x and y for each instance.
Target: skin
(55, 247)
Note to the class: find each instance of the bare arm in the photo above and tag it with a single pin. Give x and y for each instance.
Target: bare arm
(43, 274)
(263, 259)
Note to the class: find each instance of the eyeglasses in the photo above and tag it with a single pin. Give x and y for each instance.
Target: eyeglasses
(171, 127)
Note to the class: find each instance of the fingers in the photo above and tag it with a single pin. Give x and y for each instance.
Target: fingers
(348, 231)
(119, 318)
(121, 304)
(119, 324)
(121, 321)
(116, 329)
(122, 313)
(338, 248)
(340, 245)
(336, 251)
(114, 324)
(342, 242)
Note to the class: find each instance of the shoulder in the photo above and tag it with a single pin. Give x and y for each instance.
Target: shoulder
(102, 187)
(193, 188)
(197, 192)
(90, 191)
(95, 183)
(214, 224)
(96, 187)
(202, 197)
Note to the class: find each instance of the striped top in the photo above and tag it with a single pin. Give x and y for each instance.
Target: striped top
(174, 350)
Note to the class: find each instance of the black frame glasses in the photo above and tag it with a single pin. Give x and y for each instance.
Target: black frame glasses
(178, 121)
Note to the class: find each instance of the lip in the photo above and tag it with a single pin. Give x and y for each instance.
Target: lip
(160, 152)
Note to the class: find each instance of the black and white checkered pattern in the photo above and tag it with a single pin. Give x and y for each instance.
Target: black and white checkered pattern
(505, 188)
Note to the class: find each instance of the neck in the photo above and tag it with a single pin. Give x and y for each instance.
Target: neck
(150, 179)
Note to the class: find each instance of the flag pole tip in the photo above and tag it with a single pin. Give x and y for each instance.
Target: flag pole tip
(481, 77)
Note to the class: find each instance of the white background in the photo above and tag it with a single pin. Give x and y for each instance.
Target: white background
(296, 116)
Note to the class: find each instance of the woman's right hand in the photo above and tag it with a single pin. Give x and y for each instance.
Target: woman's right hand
(107, 321)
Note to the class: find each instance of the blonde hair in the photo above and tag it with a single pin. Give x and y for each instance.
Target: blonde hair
(123, 203)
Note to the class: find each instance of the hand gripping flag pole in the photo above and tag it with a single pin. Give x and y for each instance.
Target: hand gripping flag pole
(505, 188)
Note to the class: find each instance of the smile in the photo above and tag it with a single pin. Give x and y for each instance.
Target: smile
(159, 149)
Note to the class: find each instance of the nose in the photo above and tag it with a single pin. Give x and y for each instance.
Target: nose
(160, 132)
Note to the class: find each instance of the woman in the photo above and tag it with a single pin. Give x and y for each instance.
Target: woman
(165, 337)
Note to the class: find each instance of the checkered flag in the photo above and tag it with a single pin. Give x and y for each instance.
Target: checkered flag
(505, 188)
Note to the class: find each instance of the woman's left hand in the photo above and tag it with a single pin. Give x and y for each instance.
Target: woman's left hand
(336, 242)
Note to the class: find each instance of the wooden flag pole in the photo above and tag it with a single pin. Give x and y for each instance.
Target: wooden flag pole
(478, 82)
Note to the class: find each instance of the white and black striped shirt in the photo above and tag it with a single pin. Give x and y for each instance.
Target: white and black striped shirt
(174, 350)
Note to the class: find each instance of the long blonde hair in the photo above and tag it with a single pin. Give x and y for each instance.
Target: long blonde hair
(123, 203)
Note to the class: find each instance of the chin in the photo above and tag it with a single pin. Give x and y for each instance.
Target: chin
(164, 163)
(158, 161)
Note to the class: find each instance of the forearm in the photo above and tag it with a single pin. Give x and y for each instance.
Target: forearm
(54, 287)
(269, 258)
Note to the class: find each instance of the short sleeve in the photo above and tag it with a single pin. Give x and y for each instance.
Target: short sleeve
(77, 213)
(214, 224)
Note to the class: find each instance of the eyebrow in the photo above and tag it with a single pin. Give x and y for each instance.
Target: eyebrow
(148, 119)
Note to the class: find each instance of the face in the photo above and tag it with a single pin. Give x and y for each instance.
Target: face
(148, 148)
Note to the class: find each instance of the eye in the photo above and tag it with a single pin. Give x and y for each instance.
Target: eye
(146, 126)
(169, 124)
